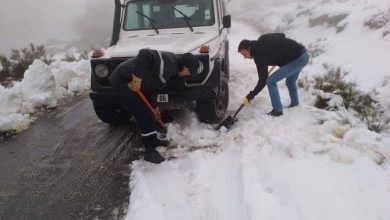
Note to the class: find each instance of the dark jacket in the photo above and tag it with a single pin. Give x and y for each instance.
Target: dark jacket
(148, 66)
(272, 50)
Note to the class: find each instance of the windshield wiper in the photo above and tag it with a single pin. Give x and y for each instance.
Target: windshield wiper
(186, 18)
(151, 20)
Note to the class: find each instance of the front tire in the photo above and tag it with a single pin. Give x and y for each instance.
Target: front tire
(213, 110)
(112, 114)
(226, 61)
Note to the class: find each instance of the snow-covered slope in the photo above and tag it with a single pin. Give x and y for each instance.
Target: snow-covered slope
(352, 34)
(307, 164)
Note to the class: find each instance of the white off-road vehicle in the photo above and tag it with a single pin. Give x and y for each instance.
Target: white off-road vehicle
(179, 26)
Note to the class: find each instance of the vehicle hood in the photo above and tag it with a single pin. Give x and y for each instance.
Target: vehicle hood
(178, 43)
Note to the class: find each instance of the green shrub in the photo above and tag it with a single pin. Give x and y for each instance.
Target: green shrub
(19, 61)
(365, 105)
(333, 82)
(5, 76)
(370, 110)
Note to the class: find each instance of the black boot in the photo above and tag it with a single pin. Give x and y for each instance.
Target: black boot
(275, 114)
(151, 155)
(292, 105)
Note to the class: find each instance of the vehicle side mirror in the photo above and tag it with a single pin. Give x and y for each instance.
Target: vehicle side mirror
(227, 21)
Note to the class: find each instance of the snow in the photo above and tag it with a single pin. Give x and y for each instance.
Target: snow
(43, 85)
(308, 164)
(266, 168)
(38, 87)
(384, 96)
(358, 49)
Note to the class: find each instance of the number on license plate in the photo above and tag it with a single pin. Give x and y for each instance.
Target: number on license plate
(162, 98)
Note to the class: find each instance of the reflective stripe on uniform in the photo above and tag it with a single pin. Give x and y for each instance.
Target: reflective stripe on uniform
(148, 134)
(161, 68)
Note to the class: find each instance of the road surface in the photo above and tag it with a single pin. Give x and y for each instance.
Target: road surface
(67, 165)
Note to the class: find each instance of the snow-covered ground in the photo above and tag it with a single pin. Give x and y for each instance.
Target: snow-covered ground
(43, 85)
(307, 164)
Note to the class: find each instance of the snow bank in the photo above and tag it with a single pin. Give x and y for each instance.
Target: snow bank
(41, 87)
(38, 88)
(10, 107)
(71, 77)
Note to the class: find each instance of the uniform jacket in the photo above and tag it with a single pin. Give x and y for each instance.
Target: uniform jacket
(154, 67)
(272, 50)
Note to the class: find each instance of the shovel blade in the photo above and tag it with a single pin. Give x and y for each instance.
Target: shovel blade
(227, 123)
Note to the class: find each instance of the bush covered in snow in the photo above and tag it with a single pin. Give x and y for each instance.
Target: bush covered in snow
(19, 61)
(329, 21)
(333, 82)
(378, 20)
(326, 20)
(364, 104)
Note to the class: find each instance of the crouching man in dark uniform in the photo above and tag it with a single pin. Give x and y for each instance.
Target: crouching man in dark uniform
(148, 72)
(275, 50)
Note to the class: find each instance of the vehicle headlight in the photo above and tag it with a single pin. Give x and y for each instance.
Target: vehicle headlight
(201, 67)
(101, 70)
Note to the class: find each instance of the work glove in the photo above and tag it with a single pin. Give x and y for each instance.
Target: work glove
(246, 102)
(135, 84)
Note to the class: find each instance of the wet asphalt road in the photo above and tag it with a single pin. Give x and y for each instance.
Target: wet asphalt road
(67, 165)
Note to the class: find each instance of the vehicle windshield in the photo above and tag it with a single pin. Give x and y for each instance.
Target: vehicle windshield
(160, 14)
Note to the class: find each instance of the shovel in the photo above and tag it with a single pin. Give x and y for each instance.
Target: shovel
(146, 102)
(229, 121)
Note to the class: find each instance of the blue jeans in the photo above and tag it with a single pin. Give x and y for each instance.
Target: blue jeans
(291, 72)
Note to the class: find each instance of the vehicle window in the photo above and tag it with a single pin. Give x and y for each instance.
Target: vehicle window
(141, 15)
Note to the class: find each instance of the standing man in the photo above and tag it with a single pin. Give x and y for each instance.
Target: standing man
(275, 50)
(148, 72)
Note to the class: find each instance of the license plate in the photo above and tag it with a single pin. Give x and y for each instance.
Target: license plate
(162, 98)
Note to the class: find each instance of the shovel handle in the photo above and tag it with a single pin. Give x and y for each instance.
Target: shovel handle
(238, 110)
(272, 68)
(147, 103)
(242, 105)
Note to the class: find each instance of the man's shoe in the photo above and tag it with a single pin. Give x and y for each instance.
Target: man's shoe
(292, 105)
(153, 156)
(275, 114)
